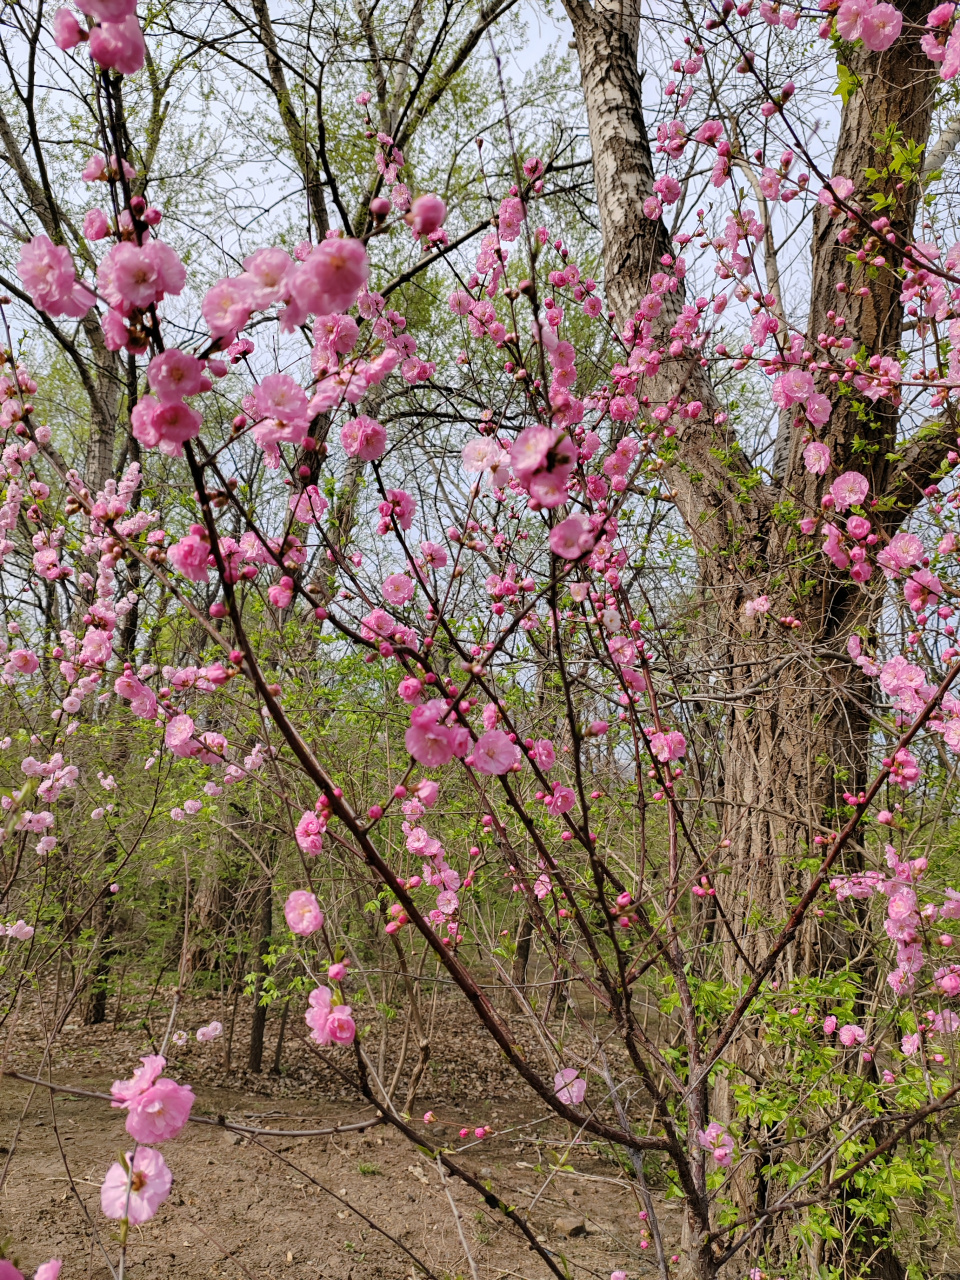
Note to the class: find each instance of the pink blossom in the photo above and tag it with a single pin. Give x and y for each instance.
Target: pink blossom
(921, 588)
(168, 426)
(410, 689)
(178, 737)
(331, 278)
(818, 409)
(23, 661)
(817, 458)
(401, 506)
(49, 1270)
(149, 1187)
(119, 46)
(208, 1033)
(910, 1044)
(542, 886)
(485, 455)
(398, 589)
(341, 1027)
(95, 224)
(364, 438)
(905, 549)
(718, 1142)
(709, 132)
(332, 335)
(124, 1091)
(572, 537)
(226, 307)
(849, 489)
(543, 754)
(494, 753)
(136, 275)
(302, 912)
(22, 931)
(48, 275)
(189, 556)
(427, 213)
(174, 374)
(108, 10)
(850, 18)
(794, 387)
(279, 397)
(905, 770)
(842, 189)
(67, 34)
(266, 274)
(622, 650)
(671, 745)
(951, 59)
(569, 1087)
(427, 792)
(759, 605)
(309, 833)
(434, 555)
(430, 742)
(668, 189)
(329, 1023)
(280, 594)
(308, 507)
(829, 1025)
(160, 1112)
(850, 1034)
(561, 800)
(880, 26)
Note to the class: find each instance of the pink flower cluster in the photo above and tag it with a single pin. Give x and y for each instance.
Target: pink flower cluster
(877, 25)
(718, 1142)
(164, 419)
(329, 1023)
(157, 1109)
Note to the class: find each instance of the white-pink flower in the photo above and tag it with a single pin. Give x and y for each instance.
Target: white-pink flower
(149, 1185)
(816, 458)
(851, 1034)
(569, 1087)
(849, 490)
(495, 753)
(398, 589)
(302, 913)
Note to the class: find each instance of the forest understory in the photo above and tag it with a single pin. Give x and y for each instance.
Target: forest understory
(252, 1207)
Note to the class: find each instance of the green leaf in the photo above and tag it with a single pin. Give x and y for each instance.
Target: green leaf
(847, 83)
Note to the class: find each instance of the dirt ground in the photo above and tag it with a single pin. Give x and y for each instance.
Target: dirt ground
(300, 1208)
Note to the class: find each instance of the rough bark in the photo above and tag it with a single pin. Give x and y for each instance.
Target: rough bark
(521, 959)
(258, 1020)
(796, 734)
(793, 744)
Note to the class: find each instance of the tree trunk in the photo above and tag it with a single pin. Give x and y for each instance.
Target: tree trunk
(797, 739)
(278, 1051)
(258, 1021)
(521, 959)
(797, 732)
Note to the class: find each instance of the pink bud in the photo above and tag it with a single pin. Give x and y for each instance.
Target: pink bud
(427, 213)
